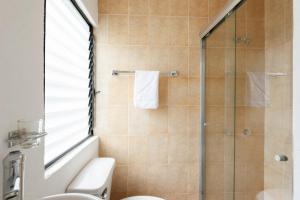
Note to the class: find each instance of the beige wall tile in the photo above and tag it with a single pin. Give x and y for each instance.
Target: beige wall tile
(193, 178)
(138, 122)
(178, 149)
(215, 93)
(114, 91)
(102, 35)
(117, 6)
(119, 182)
(112, 120)
(178, 7)
(103, 7)
(194, 119)
(215, 178)
(163, 91)
(157, 179)
(178, 31)
(178, 60)
(159, 58)
(215, 147)
(255, 60)
(196, 26)
(157, 149)
(256, 32)
(158, 30)
(194, 147)
(215, 119)
(158, 7)
(137, 179)
(178, 91)
(138, 30)
(194, 91)
(118, 29)
(198, 8)
(138, 58)
(215, 64)
(255, 9)
(177, 174)
(178, 119)
(113, 52)
(138, 7)
(215, 7)
(116, 147)
(194, 61)
(160, 155)
(138, 149)
(158, 120)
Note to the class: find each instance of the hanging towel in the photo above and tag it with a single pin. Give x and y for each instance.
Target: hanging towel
(258, 89)
(146, 89)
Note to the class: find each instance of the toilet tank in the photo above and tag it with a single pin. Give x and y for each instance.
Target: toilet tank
(95, 178)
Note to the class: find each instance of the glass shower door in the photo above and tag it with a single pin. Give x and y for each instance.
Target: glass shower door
(220, 111)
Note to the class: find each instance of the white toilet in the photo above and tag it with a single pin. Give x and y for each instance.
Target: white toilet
(96, 178)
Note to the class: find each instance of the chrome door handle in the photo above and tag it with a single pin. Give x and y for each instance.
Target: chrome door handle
(281, 158)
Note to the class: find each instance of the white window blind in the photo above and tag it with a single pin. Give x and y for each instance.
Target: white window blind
(67, 78)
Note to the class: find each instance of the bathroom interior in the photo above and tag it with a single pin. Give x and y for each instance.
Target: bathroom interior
(149, 100)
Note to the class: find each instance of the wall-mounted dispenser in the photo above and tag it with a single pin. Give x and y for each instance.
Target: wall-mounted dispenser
(28, 135)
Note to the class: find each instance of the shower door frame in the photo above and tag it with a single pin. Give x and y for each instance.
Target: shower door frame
(228, 10)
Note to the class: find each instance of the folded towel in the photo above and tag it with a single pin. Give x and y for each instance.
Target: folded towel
(146, 89)
(258, 89)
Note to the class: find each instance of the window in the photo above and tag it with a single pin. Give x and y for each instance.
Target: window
(69, 82)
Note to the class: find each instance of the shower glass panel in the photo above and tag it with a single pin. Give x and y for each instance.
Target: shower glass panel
(246, 103)
(220, 110)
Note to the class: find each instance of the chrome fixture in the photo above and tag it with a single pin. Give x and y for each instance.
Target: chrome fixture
(281, 158)
(13, 166)
(247, 132)
(28, 135)
(243, 40)
(170, 73)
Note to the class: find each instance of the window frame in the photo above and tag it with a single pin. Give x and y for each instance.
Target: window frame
(92, 92)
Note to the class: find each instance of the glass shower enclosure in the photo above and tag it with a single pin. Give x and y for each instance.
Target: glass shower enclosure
(246, 136)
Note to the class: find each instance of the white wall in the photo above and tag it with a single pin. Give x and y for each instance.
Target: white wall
(22, 92)
(21, 72)
(296, 98)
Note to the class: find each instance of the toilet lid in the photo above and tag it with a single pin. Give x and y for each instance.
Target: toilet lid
(142, 198)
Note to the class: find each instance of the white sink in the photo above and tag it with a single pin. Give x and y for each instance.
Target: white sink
(71, 196)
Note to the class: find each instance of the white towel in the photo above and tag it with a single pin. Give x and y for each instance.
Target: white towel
(258, 89)
(146, 89)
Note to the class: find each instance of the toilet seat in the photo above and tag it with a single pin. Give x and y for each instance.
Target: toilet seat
(142, 198)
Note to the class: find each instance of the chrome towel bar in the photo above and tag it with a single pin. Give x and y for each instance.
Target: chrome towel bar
(170, 73)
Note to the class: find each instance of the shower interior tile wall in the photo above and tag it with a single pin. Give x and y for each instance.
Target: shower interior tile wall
(278, 116)
(157, 151)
